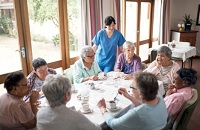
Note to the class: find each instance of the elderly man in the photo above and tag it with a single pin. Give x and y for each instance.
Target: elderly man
(128, 62)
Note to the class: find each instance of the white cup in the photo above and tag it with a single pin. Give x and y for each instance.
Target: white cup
(112, 104)
(101, 75)
(85, 107)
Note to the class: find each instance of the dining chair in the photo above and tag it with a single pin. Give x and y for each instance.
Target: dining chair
(185, 114)
(69, 74)
(169, 122)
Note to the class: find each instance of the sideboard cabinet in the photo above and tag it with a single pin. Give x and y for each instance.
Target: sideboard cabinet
(184, 36)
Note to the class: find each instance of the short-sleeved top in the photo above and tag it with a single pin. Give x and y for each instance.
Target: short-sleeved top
(128, 68)
(14, 111)
(107, 47)
(175, 101)
(63, 118)
(80, 71)
(142, 117)
(36, 81)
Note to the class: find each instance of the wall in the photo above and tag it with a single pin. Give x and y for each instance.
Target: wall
(178, 9)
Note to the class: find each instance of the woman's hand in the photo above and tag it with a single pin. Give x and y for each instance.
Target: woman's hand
(124, 92)
(102, 103)
(94, 77)
(102, 106)
(34, 96)
(128, 76)
(170, 89)
(157, 63)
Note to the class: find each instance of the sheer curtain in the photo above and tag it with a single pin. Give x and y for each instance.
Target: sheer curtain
(164, 34)
(93, 14)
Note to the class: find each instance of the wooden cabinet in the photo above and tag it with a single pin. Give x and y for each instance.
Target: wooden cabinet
(184, 36)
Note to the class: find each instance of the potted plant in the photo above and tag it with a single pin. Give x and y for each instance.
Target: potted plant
(188, 22)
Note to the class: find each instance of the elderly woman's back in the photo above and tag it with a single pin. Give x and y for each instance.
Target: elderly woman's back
(57, 116)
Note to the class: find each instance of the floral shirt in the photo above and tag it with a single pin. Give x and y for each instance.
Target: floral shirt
(35, 81)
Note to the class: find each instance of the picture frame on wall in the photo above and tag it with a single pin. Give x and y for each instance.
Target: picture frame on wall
(198, 16)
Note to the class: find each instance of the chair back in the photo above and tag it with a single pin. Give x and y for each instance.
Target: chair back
(169, 122)
(153, 55)
(144, 66)
(186, 112)
(69, 74)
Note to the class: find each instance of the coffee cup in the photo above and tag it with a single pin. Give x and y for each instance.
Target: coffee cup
(112, 104)
(101, 75)
(85, 107)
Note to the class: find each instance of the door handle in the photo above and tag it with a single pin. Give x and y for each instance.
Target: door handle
(22, 51)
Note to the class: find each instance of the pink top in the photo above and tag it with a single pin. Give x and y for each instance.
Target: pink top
(175, 101)
(14, 111)
(152, 68)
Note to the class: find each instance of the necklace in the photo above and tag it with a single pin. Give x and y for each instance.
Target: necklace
(88, 73)
(165, 70)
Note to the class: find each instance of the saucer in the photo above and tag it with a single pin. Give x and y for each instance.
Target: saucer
(114, 109)
(85, 112)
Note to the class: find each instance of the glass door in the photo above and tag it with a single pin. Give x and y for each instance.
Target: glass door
(137, 26)
(12, 50)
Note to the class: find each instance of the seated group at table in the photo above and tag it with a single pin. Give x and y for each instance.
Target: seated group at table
(20, 114)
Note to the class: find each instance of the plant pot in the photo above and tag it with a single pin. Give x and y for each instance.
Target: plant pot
(188, 26)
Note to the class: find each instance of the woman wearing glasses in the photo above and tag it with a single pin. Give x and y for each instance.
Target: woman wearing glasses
(86, 68)
(149, 112)
(38, 75)
(14, 112)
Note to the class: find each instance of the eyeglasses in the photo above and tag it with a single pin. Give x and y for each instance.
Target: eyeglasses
(91, 56)
(42, 71)
(133, 87)
(24, 85)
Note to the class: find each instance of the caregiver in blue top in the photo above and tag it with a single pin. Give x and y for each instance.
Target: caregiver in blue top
(105, 45)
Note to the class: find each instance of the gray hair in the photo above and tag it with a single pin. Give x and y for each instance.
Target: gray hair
(85, 50)
(55, 88)
(128, 44)
(166, 50)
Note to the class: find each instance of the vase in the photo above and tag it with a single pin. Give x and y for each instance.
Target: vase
(188, 26)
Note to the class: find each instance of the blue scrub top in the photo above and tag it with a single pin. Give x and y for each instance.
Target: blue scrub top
(107, 47)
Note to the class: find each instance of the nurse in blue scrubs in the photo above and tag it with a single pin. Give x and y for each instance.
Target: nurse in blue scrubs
(105, 45)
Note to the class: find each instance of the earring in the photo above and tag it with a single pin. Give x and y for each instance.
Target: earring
(16, 93)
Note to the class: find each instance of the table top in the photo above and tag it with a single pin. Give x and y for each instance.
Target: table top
(183, 52)
(105, 88)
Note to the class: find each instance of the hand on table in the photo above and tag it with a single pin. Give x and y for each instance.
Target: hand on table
(102, 105)
(128, 76)
(94, 77)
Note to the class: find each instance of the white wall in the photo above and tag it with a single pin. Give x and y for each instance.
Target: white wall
(178, 9)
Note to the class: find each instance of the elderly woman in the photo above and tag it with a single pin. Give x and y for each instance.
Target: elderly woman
(14, 112)
(38, 75)
(180, 91)
(128, 62)
(149, 112)
(57, 90)
(86, 68)
(163, 67)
